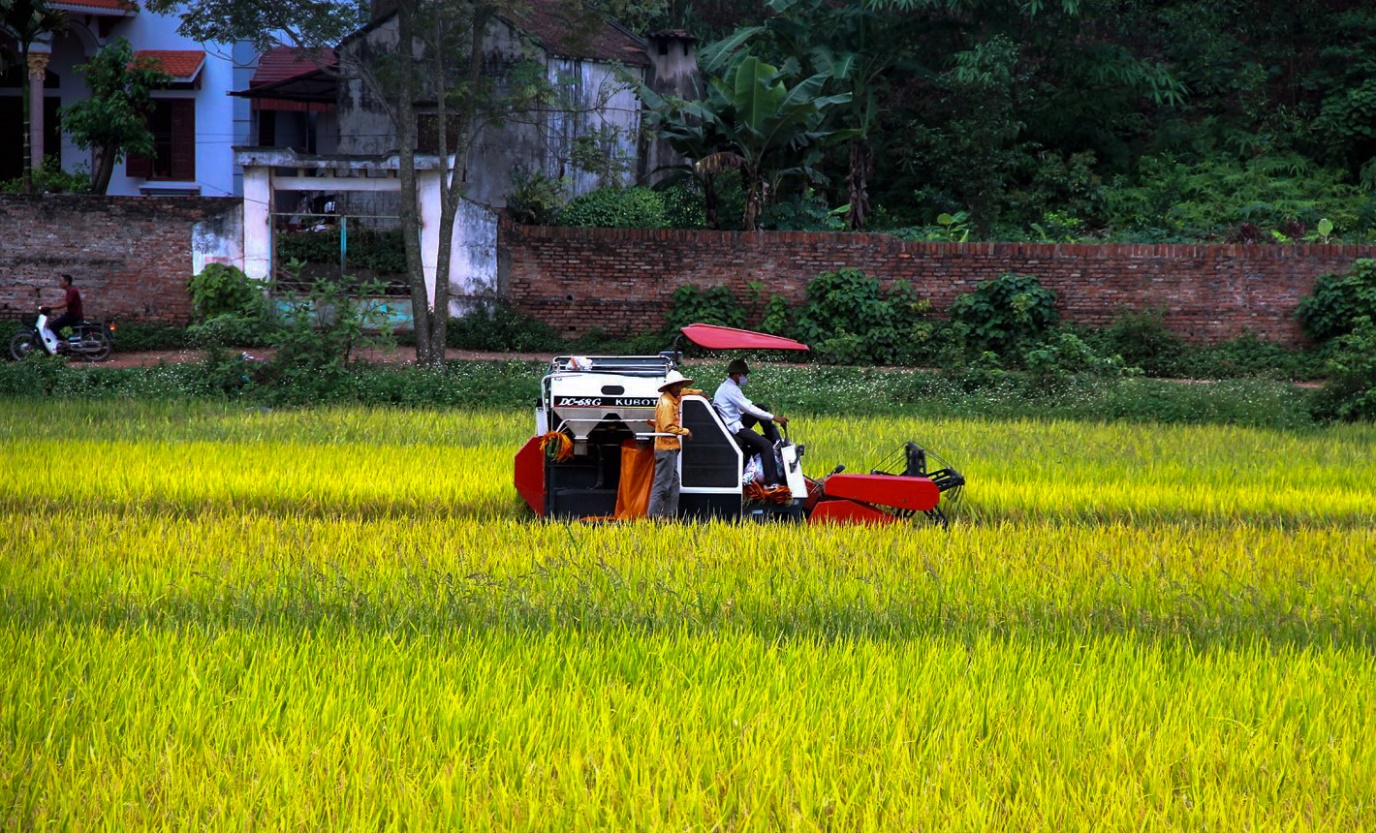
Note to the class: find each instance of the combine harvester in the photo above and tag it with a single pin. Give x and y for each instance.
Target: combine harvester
(592, 453)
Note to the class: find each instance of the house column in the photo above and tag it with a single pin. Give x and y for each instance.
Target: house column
(258, 221)
(428, 193)
(38, 73)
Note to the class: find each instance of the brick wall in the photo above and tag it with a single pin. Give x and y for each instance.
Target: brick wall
(622, 279)
(130, 256)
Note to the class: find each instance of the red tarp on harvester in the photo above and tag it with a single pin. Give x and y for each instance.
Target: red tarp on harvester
(637, 475)
(714, 337)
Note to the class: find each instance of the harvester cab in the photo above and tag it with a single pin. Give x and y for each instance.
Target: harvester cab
(592, 452)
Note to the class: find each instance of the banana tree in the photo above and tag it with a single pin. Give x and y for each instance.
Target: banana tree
(749, 119)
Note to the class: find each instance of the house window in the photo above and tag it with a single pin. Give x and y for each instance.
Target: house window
(173, 124)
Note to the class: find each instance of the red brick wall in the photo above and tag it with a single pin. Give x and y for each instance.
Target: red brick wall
(130, 256)
(622, 279)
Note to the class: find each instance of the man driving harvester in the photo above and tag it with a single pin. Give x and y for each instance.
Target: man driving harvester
(741, 416)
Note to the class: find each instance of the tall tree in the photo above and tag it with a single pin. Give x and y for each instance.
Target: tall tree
(436, 68)
(27, 21)
(113, 119)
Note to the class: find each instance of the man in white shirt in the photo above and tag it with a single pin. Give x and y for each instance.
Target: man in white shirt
(741, 416)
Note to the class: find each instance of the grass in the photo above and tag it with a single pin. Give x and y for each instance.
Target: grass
(340, 618)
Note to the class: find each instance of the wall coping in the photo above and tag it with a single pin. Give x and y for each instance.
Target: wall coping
(1255, 251)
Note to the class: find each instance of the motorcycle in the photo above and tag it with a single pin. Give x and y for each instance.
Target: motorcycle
(91, 340)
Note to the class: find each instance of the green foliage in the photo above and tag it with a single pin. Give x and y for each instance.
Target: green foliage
(615, 208)
(1350, 393)
(1066, 353)
(714, 305)
(50, 179)
(219, 290)
(113, 117)
(231, 309)
(536, 199)
(777, 318)
(1241, 201)
(492, 325)
(847, 319)
(1144, 341)
(684, 205)
(317, 337)
(1004, 315)
(380, 252)
(137, 337)
(808, 212)
(1338, 301)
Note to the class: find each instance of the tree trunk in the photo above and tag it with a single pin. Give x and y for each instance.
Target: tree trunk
(857, 182)
(421, 311)
(105, 169)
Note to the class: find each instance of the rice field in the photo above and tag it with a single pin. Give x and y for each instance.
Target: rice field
(338, 619)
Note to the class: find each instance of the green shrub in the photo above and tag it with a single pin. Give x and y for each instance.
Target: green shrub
(1144, 341)
(684, 205)
(615, 208)
(1005, 315)
(1350, 393)
(142, 336)
(231, 309)
(1338, 301)
(807, 212)
(714, 305)
(380, 252)
(847, 319)
(50, 179)
(225, 290)
(536, 198)
(316, 341)
(491, 325)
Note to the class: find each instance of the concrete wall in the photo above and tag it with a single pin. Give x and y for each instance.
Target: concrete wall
(622, 280)
(130, 256)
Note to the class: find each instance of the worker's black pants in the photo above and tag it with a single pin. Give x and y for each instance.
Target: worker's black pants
(752, 443)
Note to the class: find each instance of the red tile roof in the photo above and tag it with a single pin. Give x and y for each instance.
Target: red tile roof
(580, 36)
(283, 62)
(121, 6)
(181, 64)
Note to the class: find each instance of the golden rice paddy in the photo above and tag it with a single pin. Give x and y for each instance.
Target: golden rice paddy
(337, 619)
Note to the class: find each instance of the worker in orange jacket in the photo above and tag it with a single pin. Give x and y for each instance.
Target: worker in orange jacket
(668, 446)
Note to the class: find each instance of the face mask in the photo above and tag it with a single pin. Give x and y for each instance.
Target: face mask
(743, 380)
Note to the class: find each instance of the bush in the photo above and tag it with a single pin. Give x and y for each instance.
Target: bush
(684, 205)
(231, 309)
(1144, 341)
(1350, 393)
(316, 342)
(50, 179)
(536, 198)
(847, 319)
(1005, 315)
(714, 305)
(491, 325)
(380, 252)
(1339, 301)
(142, 336)
(615, 208)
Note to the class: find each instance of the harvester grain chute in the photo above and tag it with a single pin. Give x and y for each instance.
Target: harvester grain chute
(592, 443)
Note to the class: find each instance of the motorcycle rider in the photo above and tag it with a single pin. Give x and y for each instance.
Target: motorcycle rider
(71, 303)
